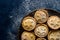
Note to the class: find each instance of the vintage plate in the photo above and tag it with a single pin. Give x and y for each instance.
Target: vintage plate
(50, 12)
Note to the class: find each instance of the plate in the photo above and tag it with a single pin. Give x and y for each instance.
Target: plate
(51, 12)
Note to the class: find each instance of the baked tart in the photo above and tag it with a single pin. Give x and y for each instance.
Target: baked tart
(27, 36)
(41, 30)
(41, 16)
(40, 39)
(54, 22)
(28, 23)
(54, 35)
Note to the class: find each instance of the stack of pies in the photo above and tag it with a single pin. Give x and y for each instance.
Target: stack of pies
(39, 26)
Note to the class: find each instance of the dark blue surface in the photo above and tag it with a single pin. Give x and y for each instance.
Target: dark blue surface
(12, 11)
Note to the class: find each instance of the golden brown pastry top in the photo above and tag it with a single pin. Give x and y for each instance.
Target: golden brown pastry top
(40, 39)
(54, 22)
(28, 23)
(27, 36)
(41, 30)
(41, 16)
(54, 35)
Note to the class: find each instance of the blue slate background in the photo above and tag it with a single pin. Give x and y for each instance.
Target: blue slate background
(12, 11)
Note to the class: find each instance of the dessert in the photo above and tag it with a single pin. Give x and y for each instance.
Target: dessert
(41, 30)
(28, 23)
(54, 35)
(54, 22)
(40, 39)
(27, 36)
(41, 16)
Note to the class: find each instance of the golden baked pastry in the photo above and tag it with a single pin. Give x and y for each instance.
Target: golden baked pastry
(41, 16)
(54, 35)
(40, 39)
(54, 22)
(28, 23)
(41, 30)
(27, 36)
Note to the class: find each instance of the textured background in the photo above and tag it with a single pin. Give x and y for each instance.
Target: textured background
(12, 11)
